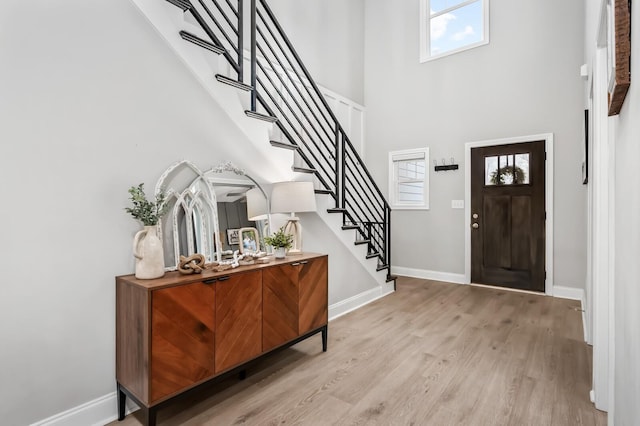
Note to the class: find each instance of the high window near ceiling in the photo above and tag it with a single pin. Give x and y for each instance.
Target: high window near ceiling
(451, 26)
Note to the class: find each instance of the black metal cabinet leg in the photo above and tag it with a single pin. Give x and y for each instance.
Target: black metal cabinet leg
(122, 399)
(324, 338)
(150, 416)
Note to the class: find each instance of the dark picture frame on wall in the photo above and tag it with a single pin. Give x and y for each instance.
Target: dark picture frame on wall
(233, 236)
(585, 147)
(619, 52)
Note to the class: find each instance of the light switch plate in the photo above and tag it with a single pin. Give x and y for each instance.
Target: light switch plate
(457, 204)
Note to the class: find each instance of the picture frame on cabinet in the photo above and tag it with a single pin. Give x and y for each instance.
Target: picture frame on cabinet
(249, 240)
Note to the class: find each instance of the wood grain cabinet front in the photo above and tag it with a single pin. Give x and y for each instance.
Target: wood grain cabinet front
(175, 333)
(295, 300)
(238, 319)
(313, 294)
(182, 337)
(281, 308)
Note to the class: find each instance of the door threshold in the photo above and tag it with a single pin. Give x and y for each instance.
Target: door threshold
(517, 290)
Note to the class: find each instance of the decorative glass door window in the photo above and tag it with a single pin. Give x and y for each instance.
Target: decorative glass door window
(512, 169)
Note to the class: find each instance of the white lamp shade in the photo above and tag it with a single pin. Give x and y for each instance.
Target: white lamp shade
(256, 204)
(291, 197)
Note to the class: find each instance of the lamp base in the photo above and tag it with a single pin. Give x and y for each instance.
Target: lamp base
(294, 228)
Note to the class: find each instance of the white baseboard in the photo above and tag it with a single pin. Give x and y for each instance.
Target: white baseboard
(351, 304)
(429, 275)
(98, 412)
(571, 293)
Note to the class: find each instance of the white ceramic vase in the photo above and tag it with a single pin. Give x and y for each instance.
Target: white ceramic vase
(147, 249)
(280, 252)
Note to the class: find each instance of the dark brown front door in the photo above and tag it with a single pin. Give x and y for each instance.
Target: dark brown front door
(508, 215)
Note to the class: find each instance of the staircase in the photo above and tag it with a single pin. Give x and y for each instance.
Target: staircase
(281, 91)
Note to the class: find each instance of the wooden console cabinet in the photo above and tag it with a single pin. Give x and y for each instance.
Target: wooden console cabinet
(178, 332)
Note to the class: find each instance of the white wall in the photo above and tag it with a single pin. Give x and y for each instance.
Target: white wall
(347, 278)
(617, 350)
(92, 101)
(525, 81)
(626, 380)
(627, 248)
(329, 36)
(91, 104)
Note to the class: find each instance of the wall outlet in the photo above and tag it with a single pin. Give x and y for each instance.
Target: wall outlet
(457, 204)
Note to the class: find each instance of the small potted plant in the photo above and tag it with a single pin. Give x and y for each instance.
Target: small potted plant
(280, 242)
(147, 247)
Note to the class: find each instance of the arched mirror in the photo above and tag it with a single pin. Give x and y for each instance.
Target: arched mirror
(207, 209)
(242, 204)
(191, 220)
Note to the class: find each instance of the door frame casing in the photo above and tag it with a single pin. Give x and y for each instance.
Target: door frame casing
(548, 195)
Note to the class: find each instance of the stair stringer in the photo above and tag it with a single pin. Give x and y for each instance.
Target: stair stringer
(347, 238)
(168, 21)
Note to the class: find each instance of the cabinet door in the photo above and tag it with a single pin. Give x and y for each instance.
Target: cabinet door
(280, 310)
(182, 337)
(313, 288)
(238, 319)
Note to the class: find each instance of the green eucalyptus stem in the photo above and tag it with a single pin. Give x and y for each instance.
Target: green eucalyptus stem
(147, 212)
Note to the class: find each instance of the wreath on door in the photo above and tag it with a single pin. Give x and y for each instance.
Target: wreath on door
(499, 177)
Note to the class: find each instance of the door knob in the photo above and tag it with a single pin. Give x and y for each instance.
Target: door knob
(475, 215)
(475, 225)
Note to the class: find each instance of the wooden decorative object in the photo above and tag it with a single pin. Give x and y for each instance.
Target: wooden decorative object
(219, 267)
(192, 264)
(619, 45)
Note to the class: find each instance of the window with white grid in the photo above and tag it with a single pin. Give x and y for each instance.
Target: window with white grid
(409, 179)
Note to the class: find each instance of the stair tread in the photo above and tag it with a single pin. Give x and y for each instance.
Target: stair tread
(336, 210)
(381, 267)
(283, 145)
(232, 82)
(347, 227)
(372, 255)
(360, 242)
(182, 4)
(192, 38)
(323, 191)
(303, 169)
(263, 117)
(391, 278)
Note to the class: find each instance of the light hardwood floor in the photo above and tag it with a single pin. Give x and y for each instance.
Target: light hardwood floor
(430, 354)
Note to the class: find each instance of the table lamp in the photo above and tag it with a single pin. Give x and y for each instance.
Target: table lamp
(292, 197)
